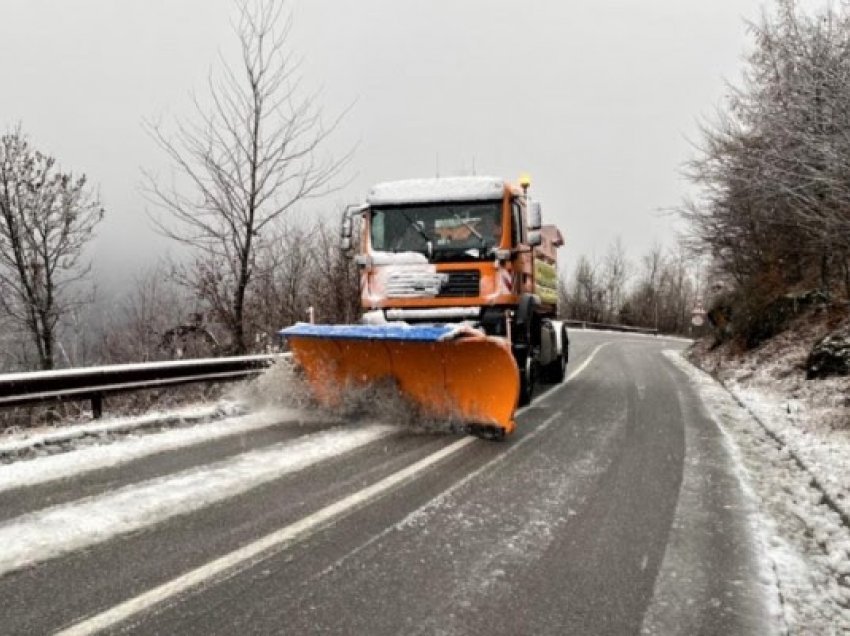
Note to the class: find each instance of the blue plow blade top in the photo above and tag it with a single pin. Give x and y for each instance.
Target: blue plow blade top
(413, 333)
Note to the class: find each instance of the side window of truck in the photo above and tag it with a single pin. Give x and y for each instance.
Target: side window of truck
(516, 223)
(378, 230)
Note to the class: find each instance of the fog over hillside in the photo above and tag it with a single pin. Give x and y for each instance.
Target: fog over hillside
(596, 101)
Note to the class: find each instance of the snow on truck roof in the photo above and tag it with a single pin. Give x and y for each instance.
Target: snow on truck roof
(437, 189)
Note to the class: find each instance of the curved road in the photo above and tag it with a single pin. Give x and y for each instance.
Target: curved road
(614, 509)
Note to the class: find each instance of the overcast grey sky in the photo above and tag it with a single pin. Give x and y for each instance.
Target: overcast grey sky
(596, 100)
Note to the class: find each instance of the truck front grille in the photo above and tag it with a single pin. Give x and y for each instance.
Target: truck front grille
(461, 284)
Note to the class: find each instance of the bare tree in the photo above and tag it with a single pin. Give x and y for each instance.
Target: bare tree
(335, 279)
(137, 325)
(643, 301)
(585, 293)
(282, 293)
(46, 218)
(615, 274)
(305, 269)
(247, 160)
(661, 296)
(774, 167)
(8, 345)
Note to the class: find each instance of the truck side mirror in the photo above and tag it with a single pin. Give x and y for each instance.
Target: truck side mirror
(345, 232)
(345, 235)
(535, 238)
(535, 216)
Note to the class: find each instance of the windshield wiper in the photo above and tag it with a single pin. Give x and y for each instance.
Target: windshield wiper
(429, 240)
(416, 227)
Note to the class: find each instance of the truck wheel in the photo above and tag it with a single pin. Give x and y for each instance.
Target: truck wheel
(526, 381)
(555, 371)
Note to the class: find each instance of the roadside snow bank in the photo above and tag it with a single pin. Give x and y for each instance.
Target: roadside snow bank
(807, 541)
(807, 432)
(810, 417)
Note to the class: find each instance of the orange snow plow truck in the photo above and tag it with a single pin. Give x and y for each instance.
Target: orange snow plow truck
(458, 280)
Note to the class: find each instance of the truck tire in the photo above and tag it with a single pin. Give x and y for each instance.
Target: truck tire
(555, 371)
(527, 373)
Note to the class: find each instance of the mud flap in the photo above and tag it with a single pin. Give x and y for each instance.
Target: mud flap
(448, 371)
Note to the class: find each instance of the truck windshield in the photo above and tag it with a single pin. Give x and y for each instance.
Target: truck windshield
(456, 231)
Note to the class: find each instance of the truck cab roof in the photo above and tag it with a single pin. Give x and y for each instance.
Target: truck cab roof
(437, 190)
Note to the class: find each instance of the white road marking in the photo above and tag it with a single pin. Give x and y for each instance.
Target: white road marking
(278, 539)
(542, 397)
(299, 530)
(546, 394)
(587, 361)
(61, 529)
(446, 493)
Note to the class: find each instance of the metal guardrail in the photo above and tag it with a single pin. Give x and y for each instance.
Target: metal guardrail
(582, 324)
(94, 383)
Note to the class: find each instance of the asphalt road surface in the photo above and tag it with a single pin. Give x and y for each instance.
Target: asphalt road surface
(614, 509)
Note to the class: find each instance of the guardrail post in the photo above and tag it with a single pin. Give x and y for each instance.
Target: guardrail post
(97, 406)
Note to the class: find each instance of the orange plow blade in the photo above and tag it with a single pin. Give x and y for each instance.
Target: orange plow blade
(447, 371)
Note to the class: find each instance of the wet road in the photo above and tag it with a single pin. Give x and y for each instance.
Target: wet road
(614, 509)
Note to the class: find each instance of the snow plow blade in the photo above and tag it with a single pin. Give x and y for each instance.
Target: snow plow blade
(447, 371)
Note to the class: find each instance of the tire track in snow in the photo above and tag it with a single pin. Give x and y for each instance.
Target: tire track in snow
(59, 530)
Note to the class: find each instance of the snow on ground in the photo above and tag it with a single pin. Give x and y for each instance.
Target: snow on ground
(61, 529)
(83, 460)
(19, 442)
(276, 390)
(807, 541)
(810, 417)
(16, 441)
